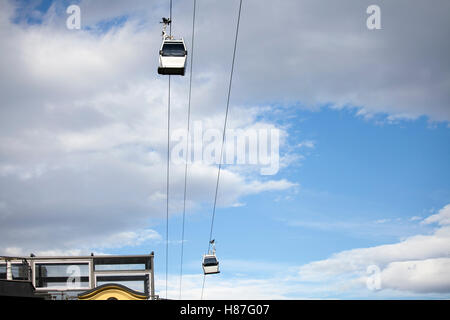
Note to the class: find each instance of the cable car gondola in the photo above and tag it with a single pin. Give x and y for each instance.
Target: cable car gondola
(210, 263)
(172, 54)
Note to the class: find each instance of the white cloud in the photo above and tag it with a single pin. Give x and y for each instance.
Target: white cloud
(415, 264)
(83, 133)
(307, 144)
(442, 217)
(382, 220)
(406, 81)
(420, 276)
(129, 238)
(322, 59)
(226, 289)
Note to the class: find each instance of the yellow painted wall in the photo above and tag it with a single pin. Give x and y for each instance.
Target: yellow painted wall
(111, 292)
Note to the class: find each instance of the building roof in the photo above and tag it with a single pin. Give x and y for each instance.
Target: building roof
(97, 257)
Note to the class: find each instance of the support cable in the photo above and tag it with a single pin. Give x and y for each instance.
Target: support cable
(187, 145)
(168, 167)
(223, 135)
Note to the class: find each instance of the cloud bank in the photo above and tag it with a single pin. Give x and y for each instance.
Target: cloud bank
(83, 133)
(417, 266)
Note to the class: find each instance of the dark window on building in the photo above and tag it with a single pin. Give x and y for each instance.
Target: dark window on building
(62, 275)
(20, 271)
(2, 271)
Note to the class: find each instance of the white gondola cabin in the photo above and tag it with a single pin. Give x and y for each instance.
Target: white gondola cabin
(210, 263)
(172, 54)
(172, 57)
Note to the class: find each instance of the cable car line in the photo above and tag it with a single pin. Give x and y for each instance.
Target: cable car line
(168, 163)
(167, 187)
(187, 143)
(172, 61)
(223, 140)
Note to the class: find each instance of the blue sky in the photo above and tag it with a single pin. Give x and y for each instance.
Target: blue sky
(365, 150)
(364, 183)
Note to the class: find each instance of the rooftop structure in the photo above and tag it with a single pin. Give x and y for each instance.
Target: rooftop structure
(72, 277)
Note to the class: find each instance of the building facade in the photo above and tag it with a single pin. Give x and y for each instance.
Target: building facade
(111, 277)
